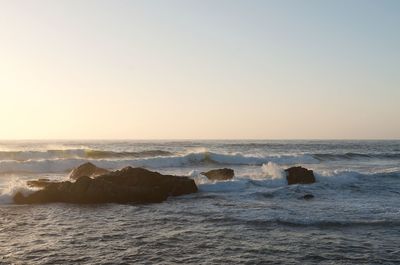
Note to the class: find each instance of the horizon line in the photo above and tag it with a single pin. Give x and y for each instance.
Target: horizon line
(201, 139)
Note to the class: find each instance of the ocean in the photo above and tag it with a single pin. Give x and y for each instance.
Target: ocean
(255, 218)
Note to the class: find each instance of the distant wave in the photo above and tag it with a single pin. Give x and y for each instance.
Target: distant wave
(350, 156)
(77, 153)
(174, 159)
(112, 154)
(190, 159)
(50, 161)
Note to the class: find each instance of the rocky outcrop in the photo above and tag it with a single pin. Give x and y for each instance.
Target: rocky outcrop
(87, 169)
(140, 177)
(219, 174)
(299, 175)
(39, 183)
(129, 185)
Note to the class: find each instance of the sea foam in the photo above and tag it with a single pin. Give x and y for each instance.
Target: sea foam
(12, 187)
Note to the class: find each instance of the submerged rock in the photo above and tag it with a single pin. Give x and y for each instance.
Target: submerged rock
(308, 196)
(129, 185)
(87, 169)
(299, 175)
(219, 174)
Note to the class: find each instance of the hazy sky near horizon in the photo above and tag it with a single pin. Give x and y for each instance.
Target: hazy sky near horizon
(199, 69)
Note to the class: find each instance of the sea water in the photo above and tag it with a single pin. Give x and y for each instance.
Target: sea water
(255, 218)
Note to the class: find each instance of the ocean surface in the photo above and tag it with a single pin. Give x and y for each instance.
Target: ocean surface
(256, 218)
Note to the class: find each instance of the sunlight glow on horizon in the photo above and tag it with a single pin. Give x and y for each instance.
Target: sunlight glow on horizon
(199, 70)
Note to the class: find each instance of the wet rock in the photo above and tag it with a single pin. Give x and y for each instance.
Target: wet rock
(219, 174)
(172, 185)
(299, 175)
(39, 183)
(87, 169)
(129, 185)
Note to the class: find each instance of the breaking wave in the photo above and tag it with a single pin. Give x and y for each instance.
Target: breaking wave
(77, 153)
(190, 159)
(14, 186)
(203, 156)
(152, 159)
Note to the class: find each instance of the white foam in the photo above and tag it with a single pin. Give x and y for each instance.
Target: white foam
(14, 186)
(272, 175)
(234, 185)
(190, 159)
(338, 177)
(273, 171)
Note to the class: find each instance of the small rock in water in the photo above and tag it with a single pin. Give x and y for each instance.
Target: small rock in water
(219, 174)
(299, 175)
(308, 196)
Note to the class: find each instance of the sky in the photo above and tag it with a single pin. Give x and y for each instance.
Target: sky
(209, 69)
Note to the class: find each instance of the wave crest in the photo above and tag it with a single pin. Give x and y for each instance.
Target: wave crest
(77, 153)
(352, 156)
(190, 159)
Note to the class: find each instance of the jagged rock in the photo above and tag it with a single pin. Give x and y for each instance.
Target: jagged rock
(219, 174)
(129, 185)
(299, 175)
(87, 169)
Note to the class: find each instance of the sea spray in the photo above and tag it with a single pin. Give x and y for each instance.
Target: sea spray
(273, 171)
(12, 187)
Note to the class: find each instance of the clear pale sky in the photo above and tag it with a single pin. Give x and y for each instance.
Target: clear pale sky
(199, 69)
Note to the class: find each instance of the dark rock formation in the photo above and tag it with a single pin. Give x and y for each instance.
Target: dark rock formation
(140, 177)
(129, 185)
(219, 174)
(87, 169)
(299, 175)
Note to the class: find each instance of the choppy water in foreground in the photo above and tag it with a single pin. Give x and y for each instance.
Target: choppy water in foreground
(254, 218)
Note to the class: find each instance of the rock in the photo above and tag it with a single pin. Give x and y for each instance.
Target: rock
(299, 175)
(39, 183)
(219, 174)
(308, 196)
(43, 179)
(87, 169)
(172, 185)
(129, 185)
